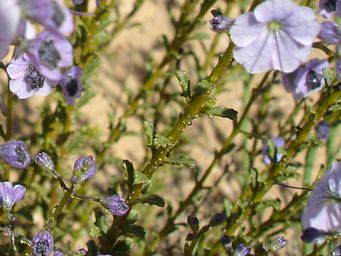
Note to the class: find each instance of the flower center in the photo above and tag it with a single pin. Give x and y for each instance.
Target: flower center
(274, 25)
(48, 54)
(71, 86)
(33, 78)
(42, 248)
(58, 15)
(20, 153)
(330, 6)
(313, 80)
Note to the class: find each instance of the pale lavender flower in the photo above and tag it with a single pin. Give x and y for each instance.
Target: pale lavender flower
(26, 80)
(61, 19)
(9, 22)
(306, 79)
(115, 204)
(10, 195)
(15, 153)
(241, 250)
(323, 130)
(37, 10)
(71, 84)
(221, 23)
(328, 7)
(84, 168)
(42, 244)
(49, 52)
(323, 211)
(330, 32)
(43, 160)
(278, 35)
(278, 145)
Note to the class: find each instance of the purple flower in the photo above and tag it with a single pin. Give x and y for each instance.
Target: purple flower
(49, 52)
(241, 250)
(323, 130)
(10, 195)
(323, 211)
(269, 150)
(115, 204)
(84, 168)
(221, 23)
(61, 19)
(9, 21)
(306, 79)
(15, 153)
(328, 7)
(330, 32)
(42, 244)
(37, 10)
(43, 160)
(71, 84)
(26, 80)
(277, 35)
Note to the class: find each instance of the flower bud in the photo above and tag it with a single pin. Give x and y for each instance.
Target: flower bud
(116, 205)
(217, 219)
(44, 161)
(193, 221)
(278, 243)
(84, 168)
(241, 250)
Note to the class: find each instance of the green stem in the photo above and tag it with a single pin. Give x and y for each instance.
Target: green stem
(68, 194)
(228, 142)
(179, 38)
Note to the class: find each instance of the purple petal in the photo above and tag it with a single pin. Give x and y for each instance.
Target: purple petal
(116, 205)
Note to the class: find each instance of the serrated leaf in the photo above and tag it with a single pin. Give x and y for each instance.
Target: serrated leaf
(222, 112)
(149, 131)
(161, 141)
(135, 230)
(181, 161)
(129, 173)
(152, 200)
(184, 83)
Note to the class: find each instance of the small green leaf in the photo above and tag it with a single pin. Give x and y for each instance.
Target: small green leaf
(204, 86)
(129, 173)
(181, 161)
(140, 178)
(184, 83)
(222, 112)
(152, 200)
(149, 131)
(161, 141)
(135, 230)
